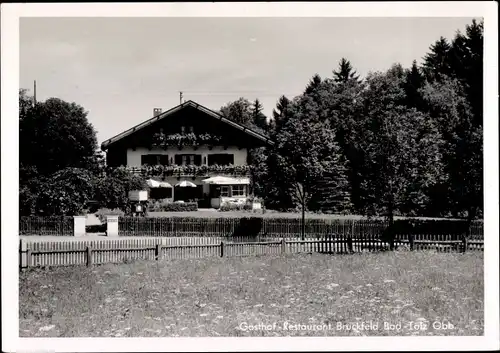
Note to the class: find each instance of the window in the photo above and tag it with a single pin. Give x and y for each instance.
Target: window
(239, 190)
(183, 129)
(191, 129)
(221, 159)
(150, 159)
(188, 159)
(224, 191)
(154, 159)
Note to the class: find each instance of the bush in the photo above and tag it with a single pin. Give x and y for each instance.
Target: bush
(174, 207)
(226, 207)
(248, 227)
(65, 192)
(111, 191)
(103, 212)
(96, 228)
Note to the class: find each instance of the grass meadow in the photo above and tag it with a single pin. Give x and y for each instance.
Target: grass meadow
(417, 293)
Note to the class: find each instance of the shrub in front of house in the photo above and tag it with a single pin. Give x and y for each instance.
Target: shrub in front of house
(103, 212)
(248, 228)
(227, 207)
(96, 228)
(174, 207)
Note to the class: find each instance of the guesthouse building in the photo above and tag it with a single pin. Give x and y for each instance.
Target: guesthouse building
(188, 153)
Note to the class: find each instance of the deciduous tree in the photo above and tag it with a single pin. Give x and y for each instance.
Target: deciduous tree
(55, 135)
(401, 147)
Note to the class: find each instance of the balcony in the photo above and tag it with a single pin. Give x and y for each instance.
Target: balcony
(161, 140)
(191, 170)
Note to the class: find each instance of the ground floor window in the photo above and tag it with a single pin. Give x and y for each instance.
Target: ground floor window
(224, 191)
(239, 190)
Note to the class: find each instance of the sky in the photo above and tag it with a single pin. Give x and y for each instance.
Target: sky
(119, 69)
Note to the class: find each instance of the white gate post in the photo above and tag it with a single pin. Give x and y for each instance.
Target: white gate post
(79, 225)
(112, 226)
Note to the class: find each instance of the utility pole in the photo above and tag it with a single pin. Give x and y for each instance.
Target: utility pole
(34, 92)
(180, 96)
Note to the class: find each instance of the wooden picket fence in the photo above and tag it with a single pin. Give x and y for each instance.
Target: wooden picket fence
(54, 226)
(36, 252)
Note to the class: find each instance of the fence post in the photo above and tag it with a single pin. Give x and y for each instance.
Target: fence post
(283, 246)
(464, 244)
(89, 256)
(411, 239)
(112, 226)
(158, 252)
(221, 249)
(349, 244)
(22, 254)
(79, 226)
(28, 257)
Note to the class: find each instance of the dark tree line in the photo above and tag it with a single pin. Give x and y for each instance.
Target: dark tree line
(399, 142)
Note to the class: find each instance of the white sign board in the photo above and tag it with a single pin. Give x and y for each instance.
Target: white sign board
(138, 195)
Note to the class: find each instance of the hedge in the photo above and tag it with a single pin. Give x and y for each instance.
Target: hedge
(175, 207)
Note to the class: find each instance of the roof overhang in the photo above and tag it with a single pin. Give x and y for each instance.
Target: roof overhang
(105, 145)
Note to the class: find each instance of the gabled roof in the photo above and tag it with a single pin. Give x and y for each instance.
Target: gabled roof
(189, 103)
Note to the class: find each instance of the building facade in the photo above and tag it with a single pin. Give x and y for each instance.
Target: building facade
(188, 153)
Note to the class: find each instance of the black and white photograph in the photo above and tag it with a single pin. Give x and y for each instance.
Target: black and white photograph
(242, 174)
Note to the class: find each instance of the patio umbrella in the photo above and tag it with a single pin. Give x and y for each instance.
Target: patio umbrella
(153, 183)
(185, 183)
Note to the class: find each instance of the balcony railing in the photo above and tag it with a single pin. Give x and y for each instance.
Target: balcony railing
(162, 140)
(190, 170)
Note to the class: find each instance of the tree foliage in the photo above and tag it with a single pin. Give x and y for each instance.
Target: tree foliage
(66, 192)
(258, 117)
(239, 111)
(401, 146)
(279, 114)
(345, 72)
(462, 148)
(55, 135)
(111, 190)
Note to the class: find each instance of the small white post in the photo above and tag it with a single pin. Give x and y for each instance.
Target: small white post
(23, 254)
(112, 226)
(79, 226)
